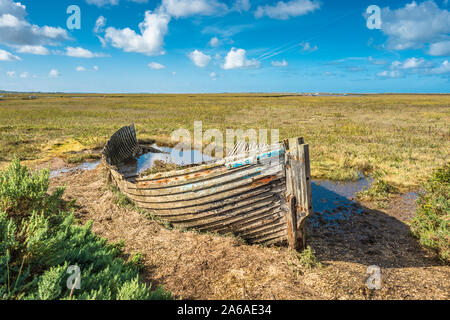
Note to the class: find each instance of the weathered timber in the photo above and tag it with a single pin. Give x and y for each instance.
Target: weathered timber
(261, 193)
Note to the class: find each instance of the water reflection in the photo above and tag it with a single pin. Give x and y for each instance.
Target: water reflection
(334, 201)
(171, 155)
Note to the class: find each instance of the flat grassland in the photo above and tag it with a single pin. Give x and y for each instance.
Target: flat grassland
(402, 137)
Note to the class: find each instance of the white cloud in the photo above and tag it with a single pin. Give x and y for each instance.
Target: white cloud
(11, 74)
(24, 75)
(100, 23)
(306, 47)
(440, 48)
(149, 42)
(236, 59)
(285, 10)
(410, 63)
(8, 20)
(38, 50)
(156, 66)
(213, 75)
(15, 30)
(282, 63)
(415, 25)
(199, 58)
(442, 69)
(389, 74)
(80, 52)
(214, 42)
(101, 3)
(7, 56)
(186, 8)
(54, 73)
(95, 68)
(80, 69)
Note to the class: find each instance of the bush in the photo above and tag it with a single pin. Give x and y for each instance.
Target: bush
(308, 258)
(39, 241)
(431, 223)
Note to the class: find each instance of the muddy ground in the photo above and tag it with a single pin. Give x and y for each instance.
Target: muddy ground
(202, 266)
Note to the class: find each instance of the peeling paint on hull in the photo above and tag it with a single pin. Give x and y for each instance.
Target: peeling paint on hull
(244, 195)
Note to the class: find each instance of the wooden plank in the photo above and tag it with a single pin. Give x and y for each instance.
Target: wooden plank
(264, 196)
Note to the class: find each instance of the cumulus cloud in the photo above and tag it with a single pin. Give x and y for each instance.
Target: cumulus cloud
(282, 63)
(149, 42)
(24, 75)
(15, 30)
(442, 69)
(80, 69)
(415, 25)
(95, 68)
(8, 56)
(156, 66)
(38, 50)
(80, 52)
(410, 63)
(440, 48)
(199, 58)
(285, 10)
(186, 8)
(237, 58)
(415, 66)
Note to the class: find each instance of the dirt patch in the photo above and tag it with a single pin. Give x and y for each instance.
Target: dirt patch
(202, 266)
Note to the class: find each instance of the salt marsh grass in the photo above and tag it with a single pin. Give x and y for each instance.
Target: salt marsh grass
(405, 136)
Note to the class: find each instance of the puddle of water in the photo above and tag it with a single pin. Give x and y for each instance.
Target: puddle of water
(179, 157)
(411, 196)
(86, 166)
(333, 201)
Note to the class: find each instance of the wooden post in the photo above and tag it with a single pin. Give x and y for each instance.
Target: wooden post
(289, 198)
(298, 205)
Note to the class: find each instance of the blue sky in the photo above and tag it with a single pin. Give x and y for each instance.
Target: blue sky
(224, 46)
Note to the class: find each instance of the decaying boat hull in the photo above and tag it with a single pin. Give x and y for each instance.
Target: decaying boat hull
(263, 197)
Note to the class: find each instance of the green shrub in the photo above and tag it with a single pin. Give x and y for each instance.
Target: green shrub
(21, 190)
(431, 223)
(308, 258)
(39, 241)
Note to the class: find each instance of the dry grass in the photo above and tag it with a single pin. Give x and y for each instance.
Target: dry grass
(404, 136)
(193, 265)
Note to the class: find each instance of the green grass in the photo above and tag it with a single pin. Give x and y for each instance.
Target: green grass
(432, 221)
(39, 240)
(308, 259)
(406, 136)
(379, 190)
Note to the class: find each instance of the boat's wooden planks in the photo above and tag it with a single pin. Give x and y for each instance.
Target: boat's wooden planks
(260, 193)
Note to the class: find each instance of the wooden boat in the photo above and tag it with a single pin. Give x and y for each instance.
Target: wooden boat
(263, 196)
